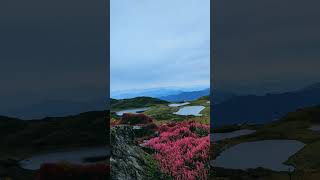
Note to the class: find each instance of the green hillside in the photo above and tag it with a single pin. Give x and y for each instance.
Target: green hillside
(28, 136)
(137, 102)
(160, 110)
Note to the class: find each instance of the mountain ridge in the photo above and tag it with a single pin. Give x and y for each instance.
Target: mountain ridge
(264, 108)
(186, 96)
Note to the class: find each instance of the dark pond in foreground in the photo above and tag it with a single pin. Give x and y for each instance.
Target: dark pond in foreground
(74, 156)
(269, 154)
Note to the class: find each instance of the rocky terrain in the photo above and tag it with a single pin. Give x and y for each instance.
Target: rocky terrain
(128, 160)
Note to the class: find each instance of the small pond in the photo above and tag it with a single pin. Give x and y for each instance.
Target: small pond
(269, 154)
(190, 110)
(137, 110)
(178, 104)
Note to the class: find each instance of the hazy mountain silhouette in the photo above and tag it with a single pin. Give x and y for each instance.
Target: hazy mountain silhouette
(261, 109)
(186, 96)
(56, 108)
(219, 96)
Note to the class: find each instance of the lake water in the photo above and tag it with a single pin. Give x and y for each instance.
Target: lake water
(315, 128)
(75, 156)
(222, 136)
(269, 154)
(137, 110)
(178, 104)
(190, 110)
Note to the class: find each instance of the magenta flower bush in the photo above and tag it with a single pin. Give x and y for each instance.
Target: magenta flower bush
(182, 150)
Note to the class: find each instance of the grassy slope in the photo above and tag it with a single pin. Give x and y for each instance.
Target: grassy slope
(164, 113)
(27, 137)
(137, 102)
(160, 110)
(293, 126)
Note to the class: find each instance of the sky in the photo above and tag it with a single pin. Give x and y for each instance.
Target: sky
(51, 50)
(159, 44)
(267, 45)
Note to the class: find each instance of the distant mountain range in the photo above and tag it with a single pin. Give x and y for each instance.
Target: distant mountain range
(229, 108)
(266, 108)
(173, 94)
(186, 96)
(154, 92)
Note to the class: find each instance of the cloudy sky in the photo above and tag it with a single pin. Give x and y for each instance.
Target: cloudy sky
(159, 43)
(51, 50)
(268, 45)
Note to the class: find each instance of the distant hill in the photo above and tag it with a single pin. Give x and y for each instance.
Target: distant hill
(137, 102)
(82, 130)
(57, 108)
(308, 114)
(261, 109)
(186, 96)
(218, 96)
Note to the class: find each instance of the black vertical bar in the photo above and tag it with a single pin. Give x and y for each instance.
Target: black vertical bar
(107, 50)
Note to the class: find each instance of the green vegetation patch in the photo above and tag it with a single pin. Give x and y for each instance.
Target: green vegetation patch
(138, 102)
(308, 159)
(152, 168)
(164, 114)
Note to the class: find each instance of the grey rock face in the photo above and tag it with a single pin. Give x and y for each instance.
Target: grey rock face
(128, 161)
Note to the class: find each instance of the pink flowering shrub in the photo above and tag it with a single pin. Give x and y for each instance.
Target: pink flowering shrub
(182, 150)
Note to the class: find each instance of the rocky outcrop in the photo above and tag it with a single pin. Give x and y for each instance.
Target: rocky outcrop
(128, 161)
